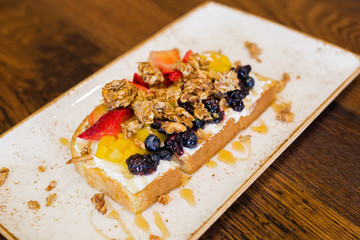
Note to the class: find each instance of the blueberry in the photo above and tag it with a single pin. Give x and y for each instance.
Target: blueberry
(155, 157)
(249, 82)
(165, 153)
(198, 123)
(243, 71)
(191, 141)
(175, 144)
(141, 164)
(152, 143)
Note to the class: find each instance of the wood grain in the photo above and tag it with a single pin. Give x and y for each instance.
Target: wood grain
(312, 189)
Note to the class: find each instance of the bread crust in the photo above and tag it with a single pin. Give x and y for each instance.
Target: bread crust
(190, 164)
(136, 203)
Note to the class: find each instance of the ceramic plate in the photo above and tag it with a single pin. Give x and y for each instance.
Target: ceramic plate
(318, 71)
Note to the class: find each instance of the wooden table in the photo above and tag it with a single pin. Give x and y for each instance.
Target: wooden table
(311, 191)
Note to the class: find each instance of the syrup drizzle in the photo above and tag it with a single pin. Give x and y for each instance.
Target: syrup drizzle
(64, 142)
(141, 222)
(115, 215)
(188, 195)
(211, 164)
(226, 157)
(260, 129)
(160, 224)
(98, 230)
(238, 146)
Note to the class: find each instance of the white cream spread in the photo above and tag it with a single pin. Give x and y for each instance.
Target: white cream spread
(135, 183)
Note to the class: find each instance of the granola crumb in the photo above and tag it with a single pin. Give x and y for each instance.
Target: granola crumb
(283, 111)
(154, 237)
(51, 185)
(42, 168)
(298, 77)
(284, 80)
(33, 205)
(3, 175)
(164, 199)
(51, 199)
(99, 200)
(254, 50)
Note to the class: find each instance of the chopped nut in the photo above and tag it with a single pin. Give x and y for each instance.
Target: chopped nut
(99, 200)
(51, 199)
(254, 50)
(164, 199)
(282, 83)
(171, 127)
(41, 168)
(283, 112)
(3, 175)
(154, 237)
(86, 150)
(33, 205)
(51, 185)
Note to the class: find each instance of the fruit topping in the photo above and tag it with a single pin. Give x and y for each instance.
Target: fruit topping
(191, 140)
(175, 144)
(165, 153)
(234, 100)
(175, 75)
(187, 56)
(249, 82)
(243, 71)
(96, 114)
(164, 60)
(212, 105)
(198, 123)
(142, 164)
(152, 143)
(138, 80)
(108, 125)
(219, 63)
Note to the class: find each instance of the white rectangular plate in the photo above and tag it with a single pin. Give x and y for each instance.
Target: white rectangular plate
(319, 71)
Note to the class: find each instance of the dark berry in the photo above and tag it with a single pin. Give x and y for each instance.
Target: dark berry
(249, 82)
(175, 144)
(154, 157)
(191, 141)
(141, 164)
(234, 100)
(157, 125)
(188, 106)
(212, 105)
(165, 153)
(152, 143)
(243, 71)
(198, 123)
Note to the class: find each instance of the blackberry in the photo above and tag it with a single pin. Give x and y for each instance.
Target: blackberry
(175, 144)
(165, 153)
(157, 125)
(234, 100)
(198, 123)
(155, 157)
(243, 71)
(142, 164)
(191, 141)
(152, 143)
(248, 82)
(212, 105)
(188, 106)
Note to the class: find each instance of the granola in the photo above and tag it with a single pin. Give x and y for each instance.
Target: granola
(254, 50)
(164, 199)
(51, 199)
(119, 93)
(150, 74)
(172, 127)
(51, 185)
(99, 200)
(283, 111)
(33, 205)
(3, 175)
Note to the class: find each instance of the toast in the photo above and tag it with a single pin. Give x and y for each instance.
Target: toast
(175, 114)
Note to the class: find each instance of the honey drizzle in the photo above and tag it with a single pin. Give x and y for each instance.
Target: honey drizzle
(160, 224)
(185, 180)
(141, 222)
(238, 146)
(64, 142)
(98, 230)
(226, 157)
(211, 164)
(260, 129)
(115, 215)
(188, 195)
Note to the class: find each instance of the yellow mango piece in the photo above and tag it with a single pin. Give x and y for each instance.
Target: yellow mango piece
(106, 141)
(161, 136)
(101, 151)
(219, 63)
(115, 155)
(142, 134)
(121, 144)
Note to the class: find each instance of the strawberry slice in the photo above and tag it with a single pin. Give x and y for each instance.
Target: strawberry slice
(96, 114)
(164, 60)
(175, 75)
(108, 125)
(138, 80)
(140, 87)
(187, 56)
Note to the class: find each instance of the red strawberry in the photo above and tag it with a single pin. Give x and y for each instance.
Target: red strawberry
(164, 60)
(167, 80)
(187, 56)
(175, 75)
(138, 80)
(140, 87)
(96, 114)
(108, 125)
